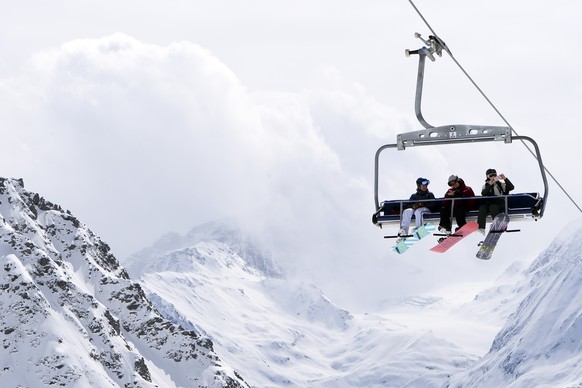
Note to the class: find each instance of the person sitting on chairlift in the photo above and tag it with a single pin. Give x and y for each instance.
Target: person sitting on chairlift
(417, 208)
(458, 189)
(495, 185)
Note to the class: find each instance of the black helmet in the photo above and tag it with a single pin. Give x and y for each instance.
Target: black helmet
(490, 171)
(422, 181)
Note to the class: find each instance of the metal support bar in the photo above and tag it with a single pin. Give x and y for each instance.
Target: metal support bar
(435, 46)
(419, 82)
(458, 133)
(542, 171)
(376, 168)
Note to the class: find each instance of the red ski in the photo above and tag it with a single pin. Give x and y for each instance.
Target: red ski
(446, 243)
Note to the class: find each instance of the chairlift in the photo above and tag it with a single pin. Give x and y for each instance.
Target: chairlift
(519, 207)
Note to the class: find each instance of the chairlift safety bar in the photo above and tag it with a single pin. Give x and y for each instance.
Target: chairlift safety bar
(461, 140)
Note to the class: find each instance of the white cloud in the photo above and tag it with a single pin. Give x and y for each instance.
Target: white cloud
(161, 127)
(162, 138)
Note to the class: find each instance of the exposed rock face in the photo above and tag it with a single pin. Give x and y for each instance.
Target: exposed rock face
(70, 314)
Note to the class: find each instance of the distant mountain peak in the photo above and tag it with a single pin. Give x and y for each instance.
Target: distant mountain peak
(227, 234)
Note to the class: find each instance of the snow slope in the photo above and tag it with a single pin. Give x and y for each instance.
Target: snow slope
(540, 345)
(70, 315)
(282, 332)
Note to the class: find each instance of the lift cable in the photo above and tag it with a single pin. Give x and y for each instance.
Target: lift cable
(493, 106)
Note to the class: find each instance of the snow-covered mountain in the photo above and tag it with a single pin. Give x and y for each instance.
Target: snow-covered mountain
(208, 305)
(540, 344)
(71, 316)
(283, 332)
(233, 238)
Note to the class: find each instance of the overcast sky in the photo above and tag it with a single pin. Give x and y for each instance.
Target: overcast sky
(145, 117)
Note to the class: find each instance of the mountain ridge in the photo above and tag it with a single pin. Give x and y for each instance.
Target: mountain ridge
(71, 313)
(225, 232)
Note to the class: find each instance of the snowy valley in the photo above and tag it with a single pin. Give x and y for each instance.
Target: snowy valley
(211, 309)
(283, 332)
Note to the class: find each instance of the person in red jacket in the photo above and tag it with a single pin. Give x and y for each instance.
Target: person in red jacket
(457, 189)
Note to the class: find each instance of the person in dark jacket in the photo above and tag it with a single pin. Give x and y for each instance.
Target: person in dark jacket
(417, 208)
(495, 185)
(457, 189)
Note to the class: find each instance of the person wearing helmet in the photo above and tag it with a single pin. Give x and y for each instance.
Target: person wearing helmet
(495, 185)
(457, 189)
(422, 204)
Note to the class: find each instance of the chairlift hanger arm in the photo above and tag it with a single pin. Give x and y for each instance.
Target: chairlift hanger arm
(434, 45)
(419, 81)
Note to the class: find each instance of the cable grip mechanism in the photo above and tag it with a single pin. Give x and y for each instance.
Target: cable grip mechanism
(432, 45)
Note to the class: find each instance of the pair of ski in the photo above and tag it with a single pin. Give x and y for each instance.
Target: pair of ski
(486, 247)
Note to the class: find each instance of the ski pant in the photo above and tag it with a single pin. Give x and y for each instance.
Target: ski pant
(407, 216)
(459, 213)
(489, 208)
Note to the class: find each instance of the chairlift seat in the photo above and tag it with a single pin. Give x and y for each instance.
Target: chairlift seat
(519, 207)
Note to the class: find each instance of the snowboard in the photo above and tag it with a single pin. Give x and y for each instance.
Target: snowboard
(453, 238)
(403, 244)
(498, 227)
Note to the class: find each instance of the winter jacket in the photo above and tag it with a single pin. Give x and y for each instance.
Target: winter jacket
(499, 188)
(463, 191)
(422, 196)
